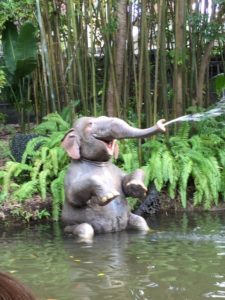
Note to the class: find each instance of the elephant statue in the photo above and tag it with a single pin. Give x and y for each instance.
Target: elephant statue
(95, 188)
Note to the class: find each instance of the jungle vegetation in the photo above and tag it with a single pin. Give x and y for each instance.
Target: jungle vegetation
(138, 60)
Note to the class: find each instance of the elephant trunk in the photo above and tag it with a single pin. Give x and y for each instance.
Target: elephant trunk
(119, 129)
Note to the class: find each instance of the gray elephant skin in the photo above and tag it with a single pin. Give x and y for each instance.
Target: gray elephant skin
(95, 188)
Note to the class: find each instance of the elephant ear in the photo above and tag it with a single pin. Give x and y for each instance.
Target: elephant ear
(71, 143)
(116, 150)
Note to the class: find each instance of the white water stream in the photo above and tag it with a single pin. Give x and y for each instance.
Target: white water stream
(217, 111)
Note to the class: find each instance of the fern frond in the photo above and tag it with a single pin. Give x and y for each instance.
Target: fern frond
(168, 166)
(130, 161)
(52, 122)
(32, 147)
(201, 184)
(63, 158)
(57, 190)
(26, 190)
(198, 195)
(211, 140)
(178, 145)
(55, 117)
(221, 156)
(43, 183)
(46, 128)
(44, 152)
(54, 159)
(129, 155)
(56, 139)
(199, 145)
(2, 176)
(172, 189)
(222, 184)
(214, 178)
(13, 169)
(185, 171)
(155, 169)
(152, 146)
(36, 168)
(184, 131)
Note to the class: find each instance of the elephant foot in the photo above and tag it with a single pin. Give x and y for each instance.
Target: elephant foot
(84, 231)
(138, 223)
(136, 188)
(105, 199)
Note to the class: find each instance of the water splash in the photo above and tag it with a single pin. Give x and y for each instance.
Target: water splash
(217, 111)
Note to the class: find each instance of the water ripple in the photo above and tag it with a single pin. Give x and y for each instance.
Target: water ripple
(218, 294)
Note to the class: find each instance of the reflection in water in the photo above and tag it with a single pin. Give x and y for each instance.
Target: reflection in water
(182, 259)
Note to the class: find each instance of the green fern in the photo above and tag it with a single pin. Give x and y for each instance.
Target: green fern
(155, 169)
(222, 183)
(44, 152)
(57, 189)
(2, 176)
(42, 168)
(55, 117)
(26, 190)
(38, 164)
(52, 123)
(184, 131)
(46, 127)
(13, 169)
(168, 167)
(221, 156)
(184, 158)
(185, 172)
(56, 138)
(54, 158)
(43, 183)
(129, 155)
(32, 146)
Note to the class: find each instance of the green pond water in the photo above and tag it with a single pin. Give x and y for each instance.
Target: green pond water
(184, 258)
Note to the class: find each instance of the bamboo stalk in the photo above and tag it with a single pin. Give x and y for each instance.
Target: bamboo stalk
(155, 106)
(162, 63)
(93, 67)
(45, 56)
(74, 26)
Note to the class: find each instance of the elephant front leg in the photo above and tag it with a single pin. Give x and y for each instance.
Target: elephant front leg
(137, 222)
(103, 190)
(84, 231)
(133, 184)
(89, 188)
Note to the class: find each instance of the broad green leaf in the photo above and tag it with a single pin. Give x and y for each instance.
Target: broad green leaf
(26, 50)
(219, 83)
(9, 41)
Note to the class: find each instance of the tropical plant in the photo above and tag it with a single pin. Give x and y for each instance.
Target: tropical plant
(42, 168)
(219, 82)
(2, 79)
(16, 10)
(189, 159)
(20, 59)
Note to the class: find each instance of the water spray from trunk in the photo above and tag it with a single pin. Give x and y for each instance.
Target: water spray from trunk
(215, 112)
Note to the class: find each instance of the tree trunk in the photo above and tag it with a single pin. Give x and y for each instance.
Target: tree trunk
(179, 58)
(202, 71)
(115, 88)
(163, 63)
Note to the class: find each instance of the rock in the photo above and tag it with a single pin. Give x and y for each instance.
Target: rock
(151, 204)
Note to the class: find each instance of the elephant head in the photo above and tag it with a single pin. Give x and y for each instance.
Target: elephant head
(95, 138)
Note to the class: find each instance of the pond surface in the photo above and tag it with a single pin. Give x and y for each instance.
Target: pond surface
(184, 258)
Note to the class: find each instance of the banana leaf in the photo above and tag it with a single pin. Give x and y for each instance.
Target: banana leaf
(9, 40)
(26, 51)
(19, 50)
